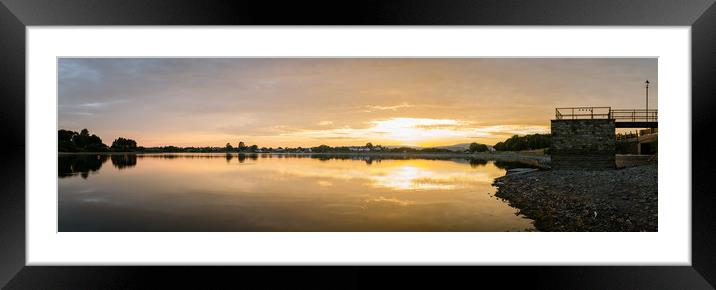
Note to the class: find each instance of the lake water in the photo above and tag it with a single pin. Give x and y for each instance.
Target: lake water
(274, 192)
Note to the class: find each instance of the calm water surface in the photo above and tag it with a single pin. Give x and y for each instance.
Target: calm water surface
(272, 192)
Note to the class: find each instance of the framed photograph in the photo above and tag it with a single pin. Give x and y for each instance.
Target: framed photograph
(393, 134)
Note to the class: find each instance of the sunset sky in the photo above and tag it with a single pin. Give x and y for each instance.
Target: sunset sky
(308, 102)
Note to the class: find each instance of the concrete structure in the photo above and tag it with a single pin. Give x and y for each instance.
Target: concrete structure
(643, 144)
(583, 144)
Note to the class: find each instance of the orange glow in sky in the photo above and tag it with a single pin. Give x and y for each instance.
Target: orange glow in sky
(308, 102)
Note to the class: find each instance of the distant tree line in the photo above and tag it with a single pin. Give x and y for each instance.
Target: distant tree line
(228, 148)
(527, 142)
(242, 148)
(71, 141)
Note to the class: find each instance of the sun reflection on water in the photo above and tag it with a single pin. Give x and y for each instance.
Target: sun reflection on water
(409, 177)
(200, 193)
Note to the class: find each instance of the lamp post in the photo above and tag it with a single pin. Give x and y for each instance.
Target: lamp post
(647, 100)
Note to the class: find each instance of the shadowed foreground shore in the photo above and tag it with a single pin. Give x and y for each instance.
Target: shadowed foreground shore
(566, 200)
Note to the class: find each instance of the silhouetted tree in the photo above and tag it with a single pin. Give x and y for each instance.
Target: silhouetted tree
(94, 144)
(64, 141)
(321, 149)
(65, 135)
(242, 146)
(70, 141)
(253, 148)
(369, 145)
(229, 147)
(475, 147)
(124, 145)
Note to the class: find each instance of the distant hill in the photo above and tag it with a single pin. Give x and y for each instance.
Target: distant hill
(400, 146)
(457, 147)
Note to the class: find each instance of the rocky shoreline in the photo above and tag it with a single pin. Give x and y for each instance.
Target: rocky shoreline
(571, 200)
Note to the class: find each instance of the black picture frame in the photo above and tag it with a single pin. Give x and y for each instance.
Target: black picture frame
(15, 15)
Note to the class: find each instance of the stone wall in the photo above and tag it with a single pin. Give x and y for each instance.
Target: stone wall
(583, 144)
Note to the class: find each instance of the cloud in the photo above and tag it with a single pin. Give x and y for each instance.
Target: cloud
(93, 105)
(97, 105)
(392, 200)
(387, 108)
(511, 130)
(81, 113)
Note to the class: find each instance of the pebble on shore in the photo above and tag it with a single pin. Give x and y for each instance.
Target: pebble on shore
(585, 201)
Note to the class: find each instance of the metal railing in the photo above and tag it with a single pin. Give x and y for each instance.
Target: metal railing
(575, 113)
(619, 115)
(635, 115)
